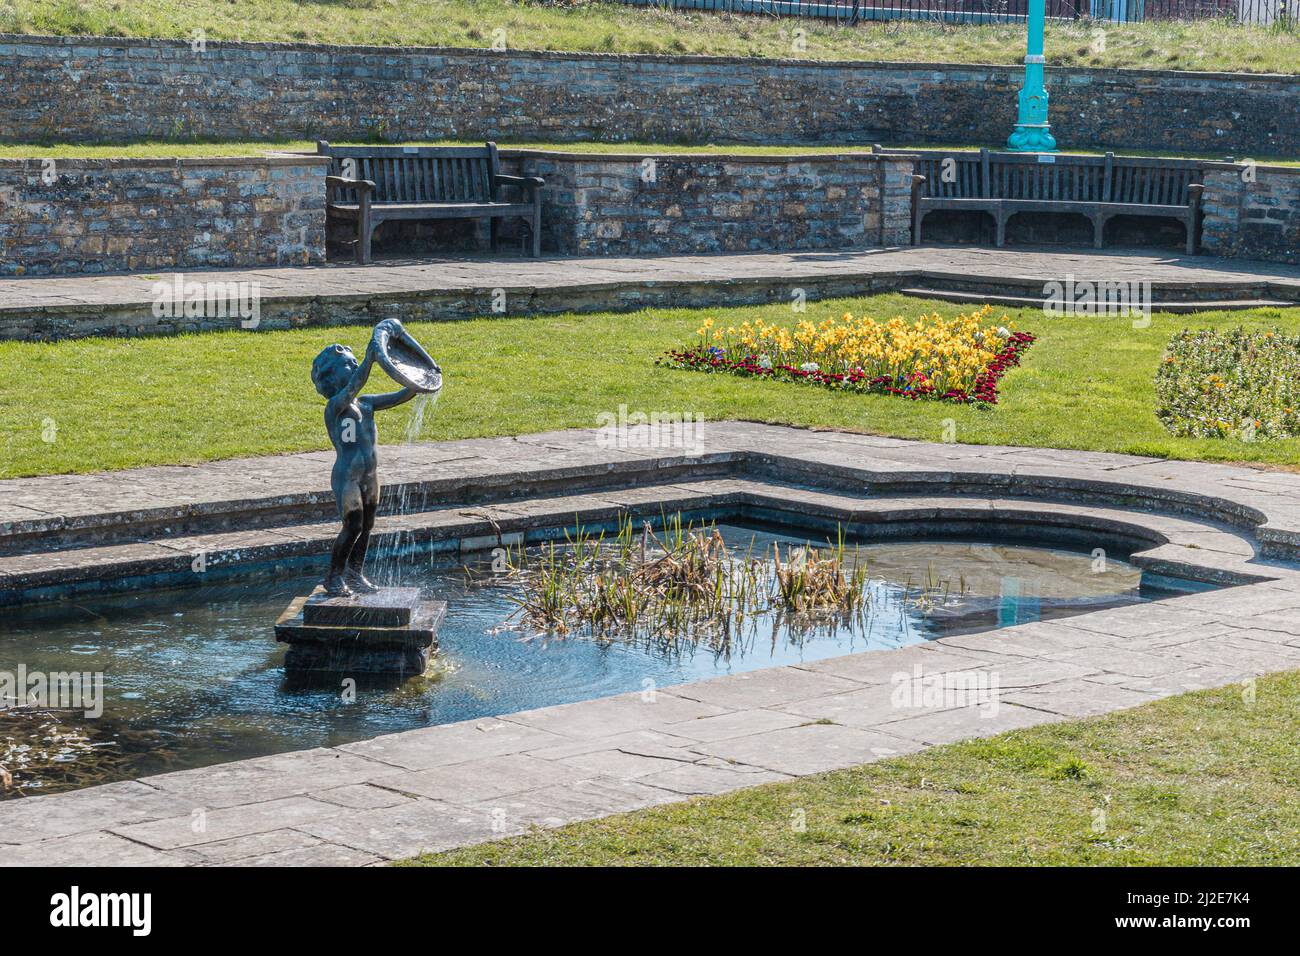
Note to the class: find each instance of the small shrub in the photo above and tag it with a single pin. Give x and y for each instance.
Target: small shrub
(1237, 383)
(1072, 768)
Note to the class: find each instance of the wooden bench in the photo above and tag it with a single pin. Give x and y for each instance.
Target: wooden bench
(1098, 187)
(370, 185)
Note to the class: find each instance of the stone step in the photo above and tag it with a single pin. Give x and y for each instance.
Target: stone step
(1039, 301)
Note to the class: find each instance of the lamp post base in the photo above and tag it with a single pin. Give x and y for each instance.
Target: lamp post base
(1032, 138)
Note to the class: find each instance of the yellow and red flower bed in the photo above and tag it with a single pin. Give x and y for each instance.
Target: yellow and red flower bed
(956, 360)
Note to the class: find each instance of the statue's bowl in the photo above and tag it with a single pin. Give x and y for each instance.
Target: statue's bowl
(403, 359)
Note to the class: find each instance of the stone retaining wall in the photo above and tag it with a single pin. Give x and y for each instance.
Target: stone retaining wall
(1253, 212)
(105, 215)
(681, 203)
(96, 88)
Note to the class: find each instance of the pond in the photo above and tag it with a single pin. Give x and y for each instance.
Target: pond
(194, 677)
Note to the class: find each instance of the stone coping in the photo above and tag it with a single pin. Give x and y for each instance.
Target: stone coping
(631, 58)
(79, 534)
(571, 154)
(155, 162)
(754, 159)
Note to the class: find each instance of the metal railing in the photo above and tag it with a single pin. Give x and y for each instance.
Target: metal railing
(1279, 13)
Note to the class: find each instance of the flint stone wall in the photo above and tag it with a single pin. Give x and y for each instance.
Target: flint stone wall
(108, 215)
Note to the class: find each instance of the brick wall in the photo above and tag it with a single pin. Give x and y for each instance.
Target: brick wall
(105, 215)
(697, 203)
(94, 88)
(1252, 212)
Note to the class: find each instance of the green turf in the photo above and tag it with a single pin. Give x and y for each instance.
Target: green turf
(117, 403)
(1203, 779)
(602, 27)
(155, 149)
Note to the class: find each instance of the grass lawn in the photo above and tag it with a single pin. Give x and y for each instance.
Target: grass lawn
(1203, 779)
(168, 149)
(602, 27)
(118, 403)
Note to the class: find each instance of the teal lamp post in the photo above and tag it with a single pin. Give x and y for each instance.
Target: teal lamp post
(1033, 134)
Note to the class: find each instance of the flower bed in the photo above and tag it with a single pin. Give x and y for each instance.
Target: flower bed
(955, 360)
(1237, 383)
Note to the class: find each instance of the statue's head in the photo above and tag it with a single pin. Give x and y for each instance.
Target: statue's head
(332, 369)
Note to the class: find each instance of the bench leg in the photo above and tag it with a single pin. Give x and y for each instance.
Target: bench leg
(1098, 230)
(917, 218)
(1000, 238)
(493, 224)
(365, 234)
(537, 229)
(1191, 234)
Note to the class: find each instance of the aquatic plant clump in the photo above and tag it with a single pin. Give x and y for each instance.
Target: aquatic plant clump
(1238, 383)
(682, 583)
(48, 749)
(956, 360)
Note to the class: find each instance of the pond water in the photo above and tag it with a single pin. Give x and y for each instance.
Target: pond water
(194, 676)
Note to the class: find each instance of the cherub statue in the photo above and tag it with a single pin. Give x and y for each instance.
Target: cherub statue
(350, 421)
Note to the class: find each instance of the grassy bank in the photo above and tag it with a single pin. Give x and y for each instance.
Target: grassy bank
(116, 403)
(1203, 779)
(602, 27)
(152, 149)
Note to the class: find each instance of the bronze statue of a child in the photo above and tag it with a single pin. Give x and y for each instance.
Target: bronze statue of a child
(350, 421)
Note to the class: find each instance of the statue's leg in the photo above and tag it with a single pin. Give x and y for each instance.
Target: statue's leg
(355, 575)
(344, 545)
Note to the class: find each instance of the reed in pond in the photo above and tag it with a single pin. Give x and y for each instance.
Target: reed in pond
(682, 584)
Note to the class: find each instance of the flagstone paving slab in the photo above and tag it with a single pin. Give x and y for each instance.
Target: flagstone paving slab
(870, 707)
(450, 743)
(704, 779)
(112, 804)
(626, 765)
(613, 715)
(254, 845)
(260, 779)
(485, 779)
(93, 849)
(811, 748)
(556, 806)
(409, 829)
(976, 720)
(1078, 698)
(322, 854)
(770, 687)
(740, 723)
(203, 826)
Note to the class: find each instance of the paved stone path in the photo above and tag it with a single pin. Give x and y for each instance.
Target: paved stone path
(439, 787)
(394, 276)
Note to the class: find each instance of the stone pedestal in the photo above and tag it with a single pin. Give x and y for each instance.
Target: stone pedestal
(390, 632)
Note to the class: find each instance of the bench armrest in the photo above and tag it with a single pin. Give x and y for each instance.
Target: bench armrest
(528, 182)
(363, 186)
